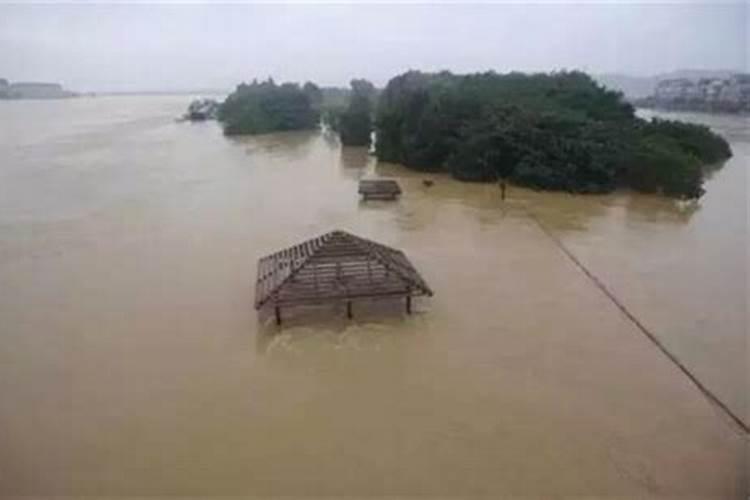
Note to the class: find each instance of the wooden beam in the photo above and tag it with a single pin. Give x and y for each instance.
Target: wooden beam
(335, 267)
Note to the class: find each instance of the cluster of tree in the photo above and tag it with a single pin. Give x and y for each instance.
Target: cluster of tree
(558, 131)
(354, 121)
(258, 108)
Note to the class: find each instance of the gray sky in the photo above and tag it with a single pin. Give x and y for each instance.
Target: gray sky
(137, 47)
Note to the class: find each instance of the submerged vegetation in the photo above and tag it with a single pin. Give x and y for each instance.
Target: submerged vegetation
(263, 107)
(559, 131)
(354, 122)
(202, 109)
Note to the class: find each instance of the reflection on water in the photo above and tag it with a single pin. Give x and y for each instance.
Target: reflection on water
(288, 146)
(661, 210)
(132, 361)
(680, 266)
(327, 327)
(573, 213)
(355, 158)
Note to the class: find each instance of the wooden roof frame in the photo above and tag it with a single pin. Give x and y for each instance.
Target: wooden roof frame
(384, 189)
(337, 266)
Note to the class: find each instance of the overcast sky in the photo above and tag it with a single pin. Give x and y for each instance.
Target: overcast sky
(139, 47)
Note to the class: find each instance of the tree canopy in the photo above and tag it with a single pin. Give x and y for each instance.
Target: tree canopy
(355, 123)
(558, 131)
(314, 94)
(258, 108)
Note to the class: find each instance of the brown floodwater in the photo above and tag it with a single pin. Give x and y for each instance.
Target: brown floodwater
(133, 363)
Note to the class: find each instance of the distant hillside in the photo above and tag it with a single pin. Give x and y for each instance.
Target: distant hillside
(638, 87)
(32, 90)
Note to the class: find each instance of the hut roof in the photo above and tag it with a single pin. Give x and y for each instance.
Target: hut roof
(379, 188)
(335, 266)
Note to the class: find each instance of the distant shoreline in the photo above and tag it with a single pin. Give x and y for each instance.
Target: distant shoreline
(93, 95)
(164, 92)
(33, 90)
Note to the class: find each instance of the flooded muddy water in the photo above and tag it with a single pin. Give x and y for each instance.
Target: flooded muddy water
(133, 363)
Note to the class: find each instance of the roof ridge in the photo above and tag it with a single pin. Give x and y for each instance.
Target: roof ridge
(370, 246)
(388, 257)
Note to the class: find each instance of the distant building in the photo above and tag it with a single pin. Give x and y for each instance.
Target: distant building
(676, 88)
(736, 90)
(730, 94)
(710, 88)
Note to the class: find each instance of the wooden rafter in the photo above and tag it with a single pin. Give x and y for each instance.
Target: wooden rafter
(379, 188)
(332, 267)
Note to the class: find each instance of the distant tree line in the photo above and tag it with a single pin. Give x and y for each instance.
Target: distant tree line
(558, 131)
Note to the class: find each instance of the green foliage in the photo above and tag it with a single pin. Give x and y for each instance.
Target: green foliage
(266, 107)
(550, 131)
(331, 117)
(355, 123)
(335, 97)
(697, 140)
(314, 94)
(657, 166)
(541, 151)
(335, 102)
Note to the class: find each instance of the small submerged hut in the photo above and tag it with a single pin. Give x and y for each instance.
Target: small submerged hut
(335, 267)
(383, 189)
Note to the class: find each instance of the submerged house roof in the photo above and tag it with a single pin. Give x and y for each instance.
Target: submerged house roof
(379, 188)
(335, 266)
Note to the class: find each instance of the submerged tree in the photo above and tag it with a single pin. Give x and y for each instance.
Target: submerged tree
(550, 131)
(258, 108)
(313, 93)
(355, 123)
